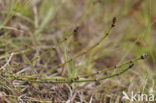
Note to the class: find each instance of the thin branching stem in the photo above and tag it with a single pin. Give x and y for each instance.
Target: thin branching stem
(39, 80)
(76, 79)
(84, 51)
(110, 68)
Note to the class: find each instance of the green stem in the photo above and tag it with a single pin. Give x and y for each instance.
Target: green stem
(83, 52)
(70, 80)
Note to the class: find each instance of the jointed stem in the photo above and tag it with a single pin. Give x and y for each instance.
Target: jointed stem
(110, 68)
(36, 80)
(83, 52)
(77, 79)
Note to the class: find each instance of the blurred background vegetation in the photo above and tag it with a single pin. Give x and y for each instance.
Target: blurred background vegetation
(31, 28)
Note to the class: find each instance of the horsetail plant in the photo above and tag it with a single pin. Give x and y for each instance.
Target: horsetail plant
(130, 64)
(114, 21)
(80, 78)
